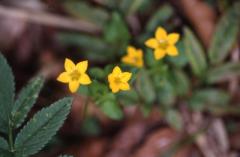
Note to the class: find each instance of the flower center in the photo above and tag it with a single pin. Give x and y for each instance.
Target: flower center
(136, 59)
(75, 75)
(163, 44)
(117, 80)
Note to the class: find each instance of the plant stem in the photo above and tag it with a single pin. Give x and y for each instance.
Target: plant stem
(10, 137)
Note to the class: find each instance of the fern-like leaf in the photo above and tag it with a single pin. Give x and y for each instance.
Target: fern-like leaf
(7, 90)
(41, 128)
(25, 101)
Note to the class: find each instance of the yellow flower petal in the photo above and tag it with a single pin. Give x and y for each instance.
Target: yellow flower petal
(161, 33)
(84, 79)
(114, 88)
(63, 77)
(124, 86)
(140, 53)
(152, 43)
(73, 86)
(127, 60)
(159, 53)
(126, 76)
(172, 51)
(110, 78)
(69, 65)
(131, 50)
(82, 66)
(116, 70)
(173, 38)
(140, 64)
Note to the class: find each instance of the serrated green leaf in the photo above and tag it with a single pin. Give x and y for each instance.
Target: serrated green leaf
(3, 145)
(194, 53)
(174, 118)
(223, 72)
(41, 128)
(7, 89)
(207, 98)
(111, 109)
(25, 101)
(145, 87)
(224, 37)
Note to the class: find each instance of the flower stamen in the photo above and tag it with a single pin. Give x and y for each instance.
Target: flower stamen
(163, 44)
(75, 75)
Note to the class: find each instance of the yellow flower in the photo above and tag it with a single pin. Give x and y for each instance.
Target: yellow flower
(163, 43)
(134, 57)
(118, 80)
(74, 74)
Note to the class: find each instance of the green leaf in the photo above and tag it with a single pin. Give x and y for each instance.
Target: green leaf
(116, 31)
(111, 109)
(86, 12)
(194, 53)
(160, 17)
(224, 37)
(97, 73)
(7, 89)
(130, 7)
(41, 128)
(181, 82)
(3, 146)
(208, 98)
(166, 94)
(145, 87)
(128, 97)
(149, 59)
(26, 99)
(92, 47)
(91, 127)
(223, 72)
(83, 41)
(174, 118)
(97, 90)
(181, 60)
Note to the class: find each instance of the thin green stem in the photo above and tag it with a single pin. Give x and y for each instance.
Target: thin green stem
(10, 136)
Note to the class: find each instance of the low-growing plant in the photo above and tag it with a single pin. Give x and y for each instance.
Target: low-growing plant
(17, 138)
(161, 71)
(164, 73)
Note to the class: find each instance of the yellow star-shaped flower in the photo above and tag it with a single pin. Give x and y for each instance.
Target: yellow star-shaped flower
(163, 43)
(74, 74)
(134, 57)
(118, 80)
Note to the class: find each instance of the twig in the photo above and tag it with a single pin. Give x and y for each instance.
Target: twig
(48, 19)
